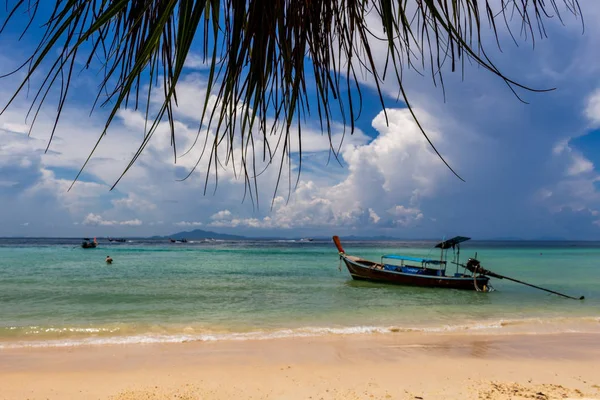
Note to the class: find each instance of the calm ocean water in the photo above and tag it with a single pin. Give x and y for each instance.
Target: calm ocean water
(54, 293)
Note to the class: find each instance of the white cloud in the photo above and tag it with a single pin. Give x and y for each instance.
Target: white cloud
(188, 223)
(503, 148)
(576, 189)
(196, 61)
(15, 127)
(94, 219)
(244, 222)
(561, 147)
(592, 109)
(372, 187)
(223, 214)
(405, 216)
(373, 215)
(81, 197)
(134, 202)
(579, 165)
(314, 140)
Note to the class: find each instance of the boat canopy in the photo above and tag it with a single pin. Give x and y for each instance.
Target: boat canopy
(416, 259)
(446, 244)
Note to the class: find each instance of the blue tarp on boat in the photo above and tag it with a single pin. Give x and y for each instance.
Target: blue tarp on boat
(421, 271)
(413, 270)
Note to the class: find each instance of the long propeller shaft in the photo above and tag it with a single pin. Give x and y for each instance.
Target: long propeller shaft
(477, 268)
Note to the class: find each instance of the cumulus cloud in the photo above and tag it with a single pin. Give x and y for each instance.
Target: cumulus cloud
(522, 172)
(94, 219)
(196, 61)
(15, 127)
(374, 192)
(149, 190)
(405, 216)
(244, 222)
(134, 202)
(373, 215)
(223, 214)
(79, 199)
(576, 189)
(592, 109)
(188, 223)
(579, 165)
(575, 195)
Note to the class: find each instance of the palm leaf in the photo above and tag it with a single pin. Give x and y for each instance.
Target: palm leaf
(259, 53)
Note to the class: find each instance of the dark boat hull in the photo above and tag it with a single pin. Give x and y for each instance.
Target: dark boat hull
(369, 271)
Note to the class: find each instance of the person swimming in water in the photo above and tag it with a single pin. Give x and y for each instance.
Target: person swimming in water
(108, 260)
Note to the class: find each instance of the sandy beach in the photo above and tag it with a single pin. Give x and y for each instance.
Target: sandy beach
(391, 366)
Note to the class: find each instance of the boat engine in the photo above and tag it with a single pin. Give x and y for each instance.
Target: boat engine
(474, 265)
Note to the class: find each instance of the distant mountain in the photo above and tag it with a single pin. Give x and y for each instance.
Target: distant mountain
(200, 234)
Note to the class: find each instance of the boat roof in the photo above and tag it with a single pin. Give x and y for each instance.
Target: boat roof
(410, 258)
(446, 244)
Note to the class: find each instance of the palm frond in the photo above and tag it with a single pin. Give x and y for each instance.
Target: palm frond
(260, 54)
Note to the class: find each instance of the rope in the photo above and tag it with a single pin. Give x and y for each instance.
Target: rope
(475, 282)
(485, 287)
(475, 276)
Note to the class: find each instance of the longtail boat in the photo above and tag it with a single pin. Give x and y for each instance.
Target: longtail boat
(429, 272)
(87, 244)
(415, 271)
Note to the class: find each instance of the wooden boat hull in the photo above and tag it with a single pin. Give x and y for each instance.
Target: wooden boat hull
(369, 271)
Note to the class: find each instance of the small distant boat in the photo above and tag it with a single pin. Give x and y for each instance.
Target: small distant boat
(116, 240)
(178, 240)
(414, 271)
(87, 244)
(307, 239)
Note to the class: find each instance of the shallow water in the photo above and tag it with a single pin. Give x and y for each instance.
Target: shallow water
(52, 292)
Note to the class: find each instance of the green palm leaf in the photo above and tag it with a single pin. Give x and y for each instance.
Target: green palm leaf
(259, 53)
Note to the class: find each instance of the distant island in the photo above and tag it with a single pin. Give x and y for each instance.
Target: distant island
(201, 234)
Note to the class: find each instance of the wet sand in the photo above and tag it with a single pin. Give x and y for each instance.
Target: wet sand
(377, 366)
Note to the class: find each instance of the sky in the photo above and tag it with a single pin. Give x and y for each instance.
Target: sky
(531, 171)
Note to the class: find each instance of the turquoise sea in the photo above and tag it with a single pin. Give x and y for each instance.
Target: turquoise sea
(54, 293)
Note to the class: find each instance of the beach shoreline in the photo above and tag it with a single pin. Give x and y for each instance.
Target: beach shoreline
(386, 366)
(126, 334)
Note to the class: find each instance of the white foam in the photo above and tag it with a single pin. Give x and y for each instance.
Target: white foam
(531, 326)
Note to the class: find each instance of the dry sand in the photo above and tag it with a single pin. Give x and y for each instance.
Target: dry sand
(386, 366)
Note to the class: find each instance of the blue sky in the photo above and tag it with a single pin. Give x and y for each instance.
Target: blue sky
(531, 170)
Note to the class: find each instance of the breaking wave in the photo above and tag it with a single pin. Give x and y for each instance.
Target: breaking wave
(35, 336)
